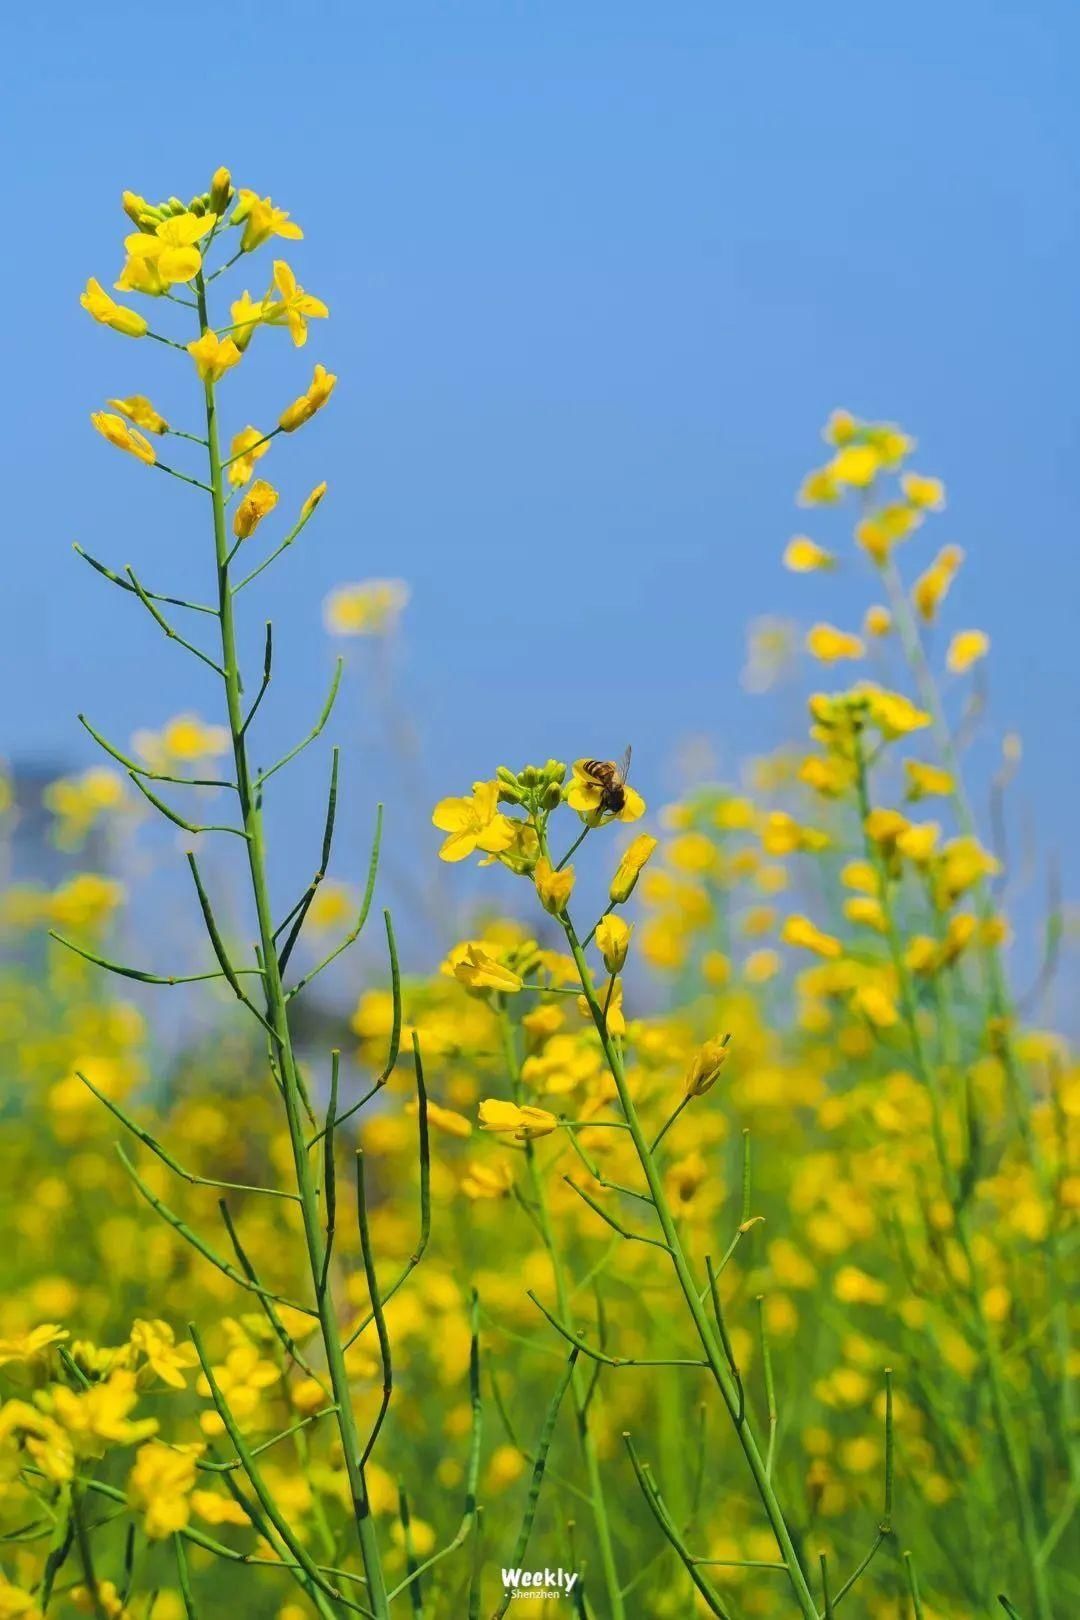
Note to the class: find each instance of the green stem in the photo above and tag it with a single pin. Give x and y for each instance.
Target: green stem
(710, 1342)
(278, 1021)
(579, 1379)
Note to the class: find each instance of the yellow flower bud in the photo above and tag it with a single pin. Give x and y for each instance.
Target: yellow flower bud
(303, 409)
(523, 1124)
(220, 191)
(312, 501)
(96, 301)
(629, 868)
(705, 1068)
(613, 942)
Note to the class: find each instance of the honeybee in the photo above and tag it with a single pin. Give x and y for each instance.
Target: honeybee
(612, 781)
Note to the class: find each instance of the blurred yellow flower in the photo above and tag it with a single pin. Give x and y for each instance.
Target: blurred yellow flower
(801, 932)
(804, 556)
(371, 607)
(930, 589)
(160, 1483)
(965, 649)
(637, 853)
(829, 645)
(523, 1124)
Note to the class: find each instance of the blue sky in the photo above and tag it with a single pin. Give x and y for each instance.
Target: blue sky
(598, 272)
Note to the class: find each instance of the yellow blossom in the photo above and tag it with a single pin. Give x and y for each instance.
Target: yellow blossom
(213, 356)
(261, 220)
(854, 1287)
(474, 966)
(139, 411)
(878, 621)
(705, 1066)
(185, 739)
(293, 307)
(242, 1378)
(260, 500)
(877, 1005)
(855, 464)
(170, 246)
(245, 313)
(881, 530)
(928, 493)
(841, 428)
(800, 931)
(930, 588)
(160, 1483)
(96, 301)
(965, 649)
(32, 1345)
(804, 556)
(524, 1124)
(819, 488)
(553, 887)
(483, 1181)
(116, 430)
(157, 1342)
(371, 607)
(446, 1120)
(473, 823)
(926, 781)
(629, 868)
(303, 409)
(829, 645)
(613, 941)
(248, 447)
(761, 966)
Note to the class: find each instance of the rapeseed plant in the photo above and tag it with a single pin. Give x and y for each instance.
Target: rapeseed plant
(760, 1184)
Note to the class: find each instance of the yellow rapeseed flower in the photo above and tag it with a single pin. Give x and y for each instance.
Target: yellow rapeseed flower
(247, 447)
(246, 314)
(371, 607)
(829, 645)
(629, 868)
(476, 967)
(524, 1124)
(705, 1066)
(261, 220)
(170, 246)
(139, 410)
(804, 556)
(965, 649)
(116, 430)
(213, 356)
(928, 493)
(293, 307)
(161, 1483)
(473, 822)
(106, 310)
(800, 931)
(613, 941)
(586, 793)
(931, 588)
(260, 500)
(553, 887)
(926, 781)
(303, 409)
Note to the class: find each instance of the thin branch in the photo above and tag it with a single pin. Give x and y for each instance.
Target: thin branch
(177, 820)
(616, 1226)
(376, 1308)
(547, 1434)
(579, 1342)
(155, 1146)
(264, 776)
(142, 770)
(155, 596)
(126, 972)
(268, 660)
(173, 635)
(182, 1229)
(300, 910)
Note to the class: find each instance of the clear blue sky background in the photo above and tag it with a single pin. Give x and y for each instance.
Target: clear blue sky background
(597, 272)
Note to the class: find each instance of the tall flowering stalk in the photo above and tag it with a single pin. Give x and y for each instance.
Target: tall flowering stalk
(168, 259)
(595, 791)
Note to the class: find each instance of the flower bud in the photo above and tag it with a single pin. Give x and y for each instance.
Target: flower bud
(134, 207)
(220, 191)
(706, 1065)
(551, 797)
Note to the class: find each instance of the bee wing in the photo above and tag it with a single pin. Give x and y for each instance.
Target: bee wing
(624, 768)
